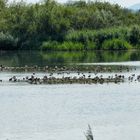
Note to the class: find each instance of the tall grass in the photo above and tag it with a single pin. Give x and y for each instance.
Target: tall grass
(116, 44)
(96, 36)
(117, 38)
(89, 134)
(65, 46)
(70, 46)
(50, 45)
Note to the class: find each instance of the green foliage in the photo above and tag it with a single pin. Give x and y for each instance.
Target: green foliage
(116, 44)
(96, 36)
(87, 23)
(70, 46)
(134, 35)
(50, 45)
(65, 46)
(91, 45)
(3, 4)
(7, 42)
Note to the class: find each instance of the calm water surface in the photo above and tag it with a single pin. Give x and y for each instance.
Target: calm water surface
(65, 58)
(62, 112)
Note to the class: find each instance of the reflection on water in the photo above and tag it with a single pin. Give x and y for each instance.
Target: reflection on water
(22, 58)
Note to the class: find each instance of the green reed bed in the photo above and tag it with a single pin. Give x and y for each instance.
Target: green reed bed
(65, 46)
(116, 44)
(117, 38)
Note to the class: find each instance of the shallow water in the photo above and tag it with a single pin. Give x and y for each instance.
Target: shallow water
(62, 112)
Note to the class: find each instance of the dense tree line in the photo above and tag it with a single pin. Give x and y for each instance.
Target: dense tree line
(29, 26)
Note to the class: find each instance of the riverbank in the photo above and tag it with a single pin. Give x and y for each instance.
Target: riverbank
(60, 27)
(118, 38)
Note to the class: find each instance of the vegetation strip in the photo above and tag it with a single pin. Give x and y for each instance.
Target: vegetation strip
(71, 26)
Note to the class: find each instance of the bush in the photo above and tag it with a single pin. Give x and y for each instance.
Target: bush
(116, 44)
(70, 46)
(91, 45)
(96, 36)
(65, 46)
(134, 35)
(50, 45)
(7, 41)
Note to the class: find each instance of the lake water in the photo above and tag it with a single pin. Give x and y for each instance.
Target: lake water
(62, 112)
(64, 58)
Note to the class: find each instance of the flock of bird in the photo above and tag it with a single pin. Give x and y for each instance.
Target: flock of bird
(73, 74)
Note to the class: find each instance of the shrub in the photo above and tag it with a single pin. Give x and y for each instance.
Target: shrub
(70, 46)
(65, 46)
(96, 36)
(116, 44)
(134, 35)
(7, 41)
(91, 45)
(50, 45)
